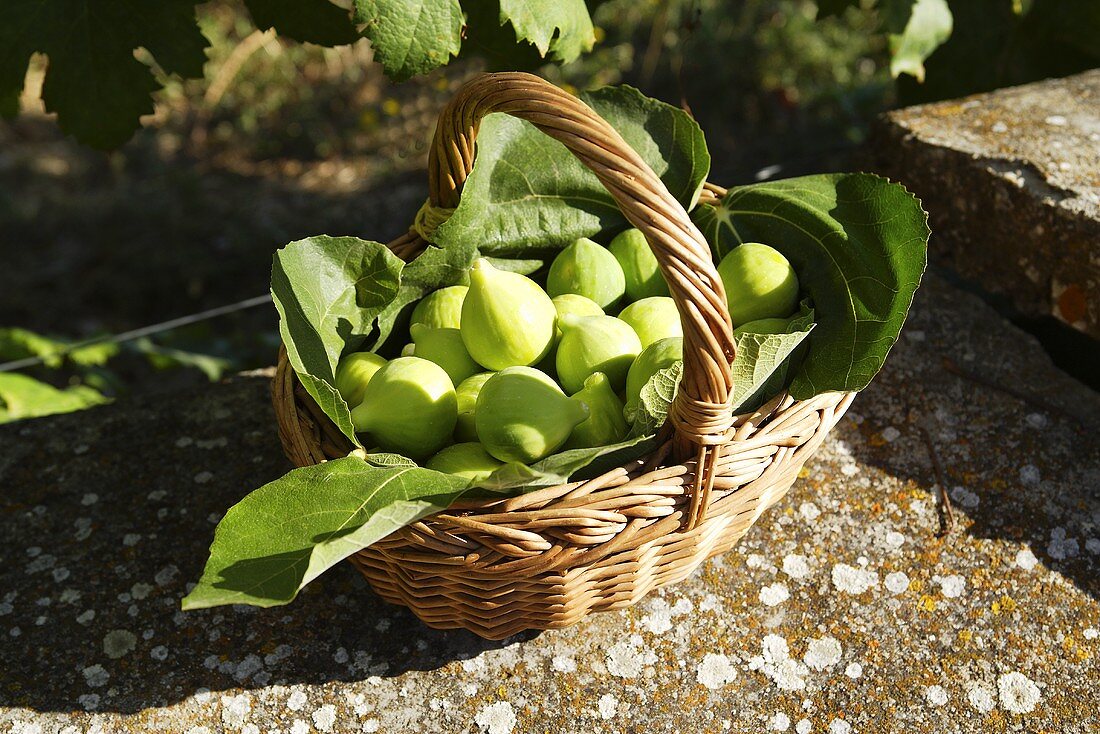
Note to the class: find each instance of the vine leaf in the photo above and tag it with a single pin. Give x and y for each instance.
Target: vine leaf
(858, 244)
(94, 84)
(411, 36)
(559, 29)
(310, 21)
(915, 29)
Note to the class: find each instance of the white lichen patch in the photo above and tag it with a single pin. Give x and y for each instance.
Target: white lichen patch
(852, 580)
(935, 695)
(563, 664)
(839, 726)
(896, 582)
(980, 697)
(776, 664)
(296, 701)
(96, 676)
(803, 726)
(661, 614)
(235, 710)
(951, 586)
(496, 718)
(809, 511)
(779, 722)
(1026, 560)
(607, 706)
(796, 566)
(965, 497)
(628, 659)
(1017, 693)
(822, 653)
(854, 670)
(1060, 547)
(324, 718)
(774, 594)
(117, 643)
(716, 671)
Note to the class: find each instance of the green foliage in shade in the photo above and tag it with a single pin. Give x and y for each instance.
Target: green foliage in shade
(553, 200)
(858, 244)
(286, 533)
(915, 29)
(16, 343)
(411, 36)
(311, 21)
(328, 291)
(26, 397)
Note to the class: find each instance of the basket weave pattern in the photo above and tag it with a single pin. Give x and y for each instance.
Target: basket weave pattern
(547, 558)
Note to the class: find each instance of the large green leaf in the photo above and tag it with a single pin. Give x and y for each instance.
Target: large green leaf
(94, 83)
(411, 36)
(561, 29)
(916, 28)
(25, 397)
(286, 533)
(328, 291)
(312, 21)
(567, 465)
(527, 191)
(859, 246)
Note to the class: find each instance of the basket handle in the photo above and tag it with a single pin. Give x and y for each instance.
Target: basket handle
(701, 415)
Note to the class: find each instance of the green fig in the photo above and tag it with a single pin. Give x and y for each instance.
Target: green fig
(409, 408)
(653, 318)
(467, 394)
(587, 269)
(354, 373)
(446, 348)
(605, 424)
(763, 326)
(441, 309)
(507, 320)
(659, 355)
(592, 344)
(522, 415)
(760, 283)
(575, 304)
(639, 264)
(467, 460)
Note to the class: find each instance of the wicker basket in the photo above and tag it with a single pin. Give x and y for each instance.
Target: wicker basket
(545, 559)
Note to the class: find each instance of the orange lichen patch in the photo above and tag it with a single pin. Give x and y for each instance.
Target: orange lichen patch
(1071, 304)
(926, 603)
(966, 635)
(915, 585)
(1004, 604)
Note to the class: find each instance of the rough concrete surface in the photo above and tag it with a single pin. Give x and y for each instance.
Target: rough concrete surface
(1011, 180)
(842, 611)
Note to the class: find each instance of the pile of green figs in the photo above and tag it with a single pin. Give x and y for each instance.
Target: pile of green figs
(505, 370)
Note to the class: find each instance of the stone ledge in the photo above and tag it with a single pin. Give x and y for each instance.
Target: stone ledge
(1012, 182)
(842, 607)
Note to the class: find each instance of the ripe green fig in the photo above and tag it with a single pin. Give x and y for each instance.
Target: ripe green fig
(605, 424)
(763, 326)
(467, 394)
(522, 415)
(467, 460)
(659, 355)
(653, 318)
(446, 348)
(639, 264)
(354, 373)
(578, 305)
(409, 408)
(507, 320)
(587, 269)
(441, 309)
(760, 283)
(592, 344)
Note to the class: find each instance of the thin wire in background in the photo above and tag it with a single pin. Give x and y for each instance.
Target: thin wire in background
(138, 333)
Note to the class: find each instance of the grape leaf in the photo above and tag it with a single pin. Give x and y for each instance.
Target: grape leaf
(915, 29)
(654, 400)
(560, 29)
(16, 343)
(25, 397)
(328, 291)
(552, 199)
(411, 36)
(288, 532)
(94, 83)
(494, 43)
(567, 465)
(311, 21)
(858, 244)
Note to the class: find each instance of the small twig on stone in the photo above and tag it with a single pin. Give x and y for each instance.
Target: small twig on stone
(947, 520)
